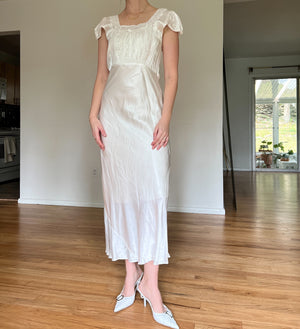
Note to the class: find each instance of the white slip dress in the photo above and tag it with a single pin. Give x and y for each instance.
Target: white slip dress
(135, 177)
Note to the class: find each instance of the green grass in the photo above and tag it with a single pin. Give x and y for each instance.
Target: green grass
(287, 134)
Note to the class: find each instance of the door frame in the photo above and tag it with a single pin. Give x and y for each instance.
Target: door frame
(265, 76)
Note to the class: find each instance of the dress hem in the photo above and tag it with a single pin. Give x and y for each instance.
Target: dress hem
(140, 262)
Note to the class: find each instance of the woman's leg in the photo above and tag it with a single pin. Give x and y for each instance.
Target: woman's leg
(149, 286)
(133, 272)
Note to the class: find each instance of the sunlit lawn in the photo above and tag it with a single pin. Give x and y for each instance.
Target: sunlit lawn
(287, 134)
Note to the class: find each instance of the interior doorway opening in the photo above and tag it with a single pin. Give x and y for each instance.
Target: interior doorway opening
(276, 124)
(9, 116)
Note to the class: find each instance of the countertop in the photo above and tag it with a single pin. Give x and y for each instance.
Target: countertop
(9, 132)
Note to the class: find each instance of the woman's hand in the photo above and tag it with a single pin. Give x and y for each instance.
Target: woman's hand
(160, 134)
(98, 131)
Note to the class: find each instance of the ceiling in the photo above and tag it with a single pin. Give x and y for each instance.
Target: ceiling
(252, 28)
(258, 28)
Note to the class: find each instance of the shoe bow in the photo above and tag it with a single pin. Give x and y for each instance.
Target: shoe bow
(120, 297)
(169, 313)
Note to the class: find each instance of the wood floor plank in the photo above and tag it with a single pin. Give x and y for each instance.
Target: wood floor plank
(238, 271)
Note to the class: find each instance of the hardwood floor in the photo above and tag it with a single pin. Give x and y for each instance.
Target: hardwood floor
(238, 271)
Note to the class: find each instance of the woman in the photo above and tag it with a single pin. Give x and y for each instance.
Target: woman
(130, 119)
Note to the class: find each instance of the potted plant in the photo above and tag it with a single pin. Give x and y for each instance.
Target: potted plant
(280, 145)
(286, 156)
(267, 154)
(278, 155)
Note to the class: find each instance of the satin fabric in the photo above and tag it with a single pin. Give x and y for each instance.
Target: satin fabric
(135, 177)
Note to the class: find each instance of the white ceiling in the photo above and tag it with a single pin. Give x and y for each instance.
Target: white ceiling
(254, 28)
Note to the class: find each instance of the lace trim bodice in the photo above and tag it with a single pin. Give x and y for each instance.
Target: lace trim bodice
(140, 43)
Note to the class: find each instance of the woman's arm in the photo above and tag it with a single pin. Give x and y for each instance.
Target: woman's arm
(170, 44)
(102, 74)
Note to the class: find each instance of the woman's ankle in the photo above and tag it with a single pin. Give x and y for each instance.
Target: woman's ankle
(150, 284)
(139, 270)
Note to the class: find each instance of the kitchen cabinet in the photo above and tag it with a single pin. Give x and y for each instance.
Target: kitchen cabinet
(11, 72)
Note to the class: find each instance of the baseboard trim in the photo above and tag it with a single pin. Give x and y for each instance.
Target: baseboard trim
(183, 209)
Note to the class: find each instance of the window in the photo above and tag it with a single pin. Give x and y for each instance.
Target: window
(276, 117)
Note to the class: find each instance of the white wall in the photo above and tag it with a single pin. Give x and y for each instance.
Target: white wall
(238, 86)
(58, 70)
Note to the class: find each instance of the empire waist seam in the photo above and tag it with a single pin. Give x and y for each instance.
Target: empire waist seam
(134, 63)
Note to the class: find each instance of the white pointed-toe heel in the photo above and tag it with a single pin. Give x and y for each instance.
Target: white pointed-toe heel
(126, 301)
(166, 318)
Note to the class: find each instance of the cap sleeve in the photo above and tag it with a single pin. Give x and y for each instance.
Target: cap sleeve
(103, 23)
(170, 18)
(174, 22)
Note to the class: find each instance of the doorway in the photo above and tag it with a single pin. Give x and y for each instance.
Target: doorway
(9, 116)
(276, 124)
